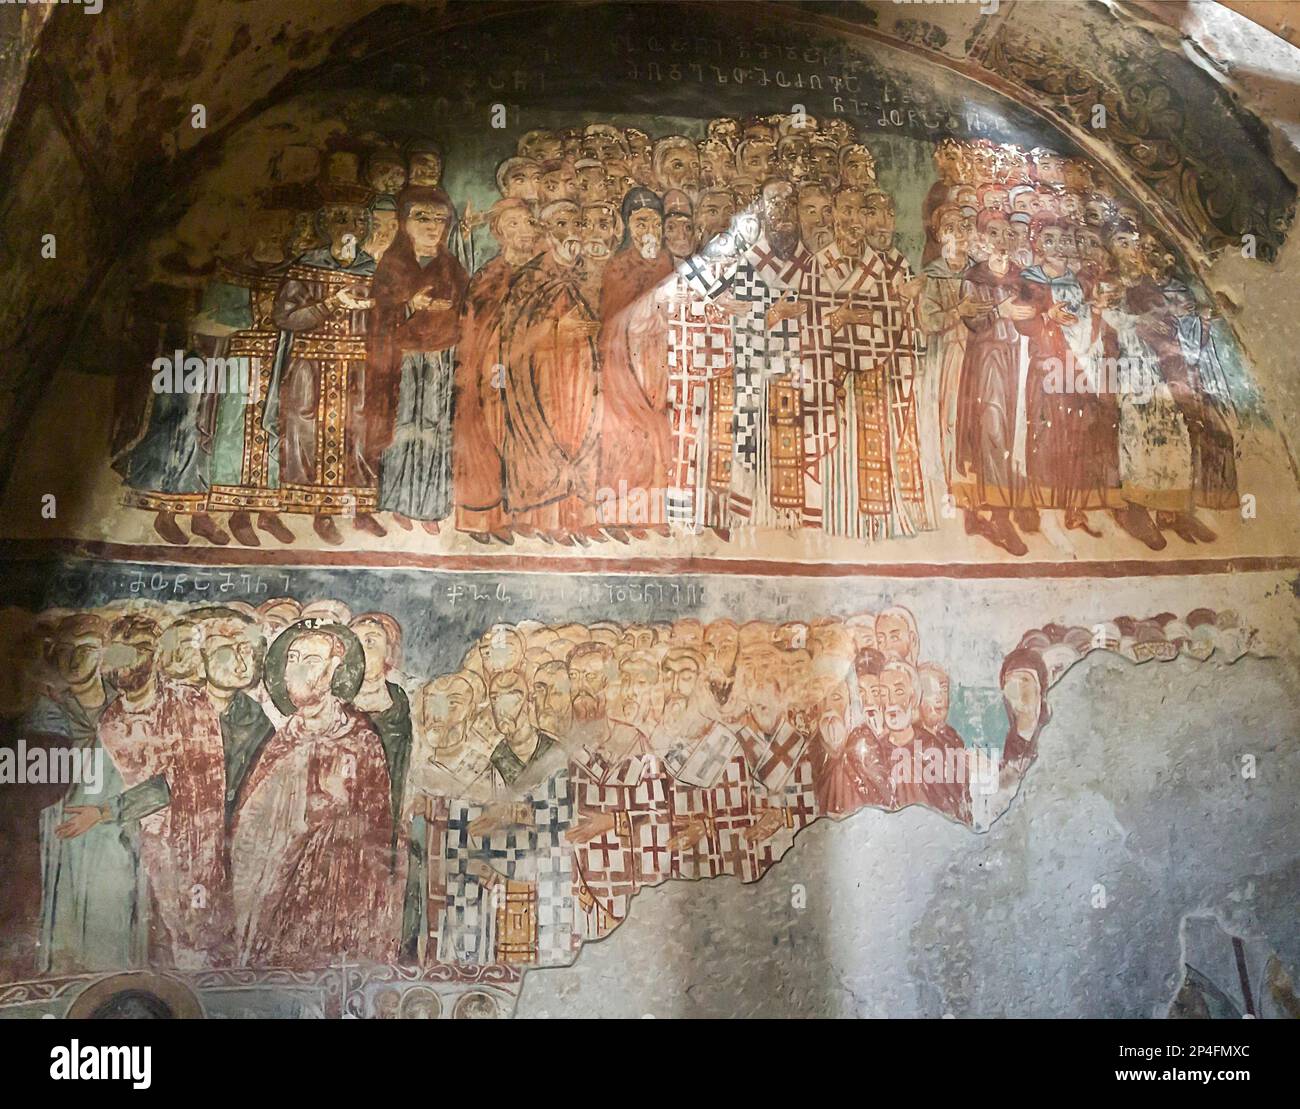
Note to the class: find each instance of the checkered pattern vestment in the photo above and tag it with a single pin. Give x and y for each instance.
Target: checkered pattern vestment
(525, 912)
(699, 351)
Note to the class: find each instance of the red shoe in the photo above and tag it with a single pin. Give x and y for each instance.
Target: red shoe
(165, 525)
(325, 528)
(203, 524)
(270, 523)
(241, 527)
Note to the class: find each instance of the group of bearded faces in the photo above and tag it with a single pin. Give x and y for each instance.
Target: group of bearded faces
(567, 679)
(762, 163)
(999, 198)
(220, 647)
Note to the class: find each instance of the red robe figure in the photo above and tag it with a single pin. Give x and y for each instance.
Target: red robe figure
(311, 846)
(552, 373)
(478, 423)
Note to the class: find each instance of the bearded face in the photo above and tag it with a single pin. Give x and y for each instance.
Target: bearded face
(714, 216)
(383, 230)
(878, 212)
(178, 654)
(681, 169)
(766, 700)
(898, 704)
(679, 234)
(874, 699)
(646, 226)
(850, 222)
(518, 232)
(934, 700)
(552, 701)
(779, 214)
(894, 637)
(309, 668)
(588, 682)
(564, 233)
(426, 169)
(833, 725)
(507, 703)
(681, 678)
(816, 219)
(386, 175)
(446, 708)
(347, 226)
(600, 232)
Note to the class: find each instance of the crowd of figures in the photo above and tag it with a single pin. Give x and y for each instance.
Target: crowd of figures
(681, 334)
(276, 790)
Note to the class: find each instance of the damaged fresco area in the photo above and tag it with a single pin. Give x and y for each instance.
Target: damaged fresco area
(280, 784)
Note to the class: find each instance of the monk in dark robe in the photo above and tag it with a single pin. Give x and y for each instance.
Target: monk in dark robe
(552, 379)
(478, 422)
(634, 358)
(418, 290)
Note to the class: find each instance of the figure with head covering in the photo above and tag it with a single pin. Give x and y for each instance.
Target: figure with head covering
(551, 372)
(312, 840)
(634, 356)
(478, 427)
(1023, 680)
(419, 289)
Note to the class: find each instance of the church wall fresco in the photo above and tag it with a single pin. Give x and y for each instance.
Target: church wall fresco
(520, 463)
(737, 335)
(315, 781)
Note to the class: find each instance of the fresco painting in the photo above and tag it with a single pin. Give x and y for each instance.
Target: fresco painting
(679, 336)
(480, 504)
(290, 786)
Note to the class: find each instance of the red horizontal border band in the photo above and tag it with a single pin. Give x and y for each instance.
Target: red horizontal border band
(23, 550)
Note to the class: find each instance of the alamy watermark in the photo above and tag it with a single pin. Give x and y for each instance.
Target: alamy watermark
(23, 765)
(1127, 376)
(191, 374)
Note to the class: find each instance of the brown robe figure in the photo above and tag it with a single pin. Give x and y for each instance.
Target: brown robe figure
(634, 361)
(551, 386)
(1071, 439)
(986, 399)
(478, 420)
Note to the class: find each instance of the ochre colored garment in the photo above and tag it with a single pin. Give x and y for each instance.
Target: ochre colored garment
(552, 378)
(478, 417)
(634, 368)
